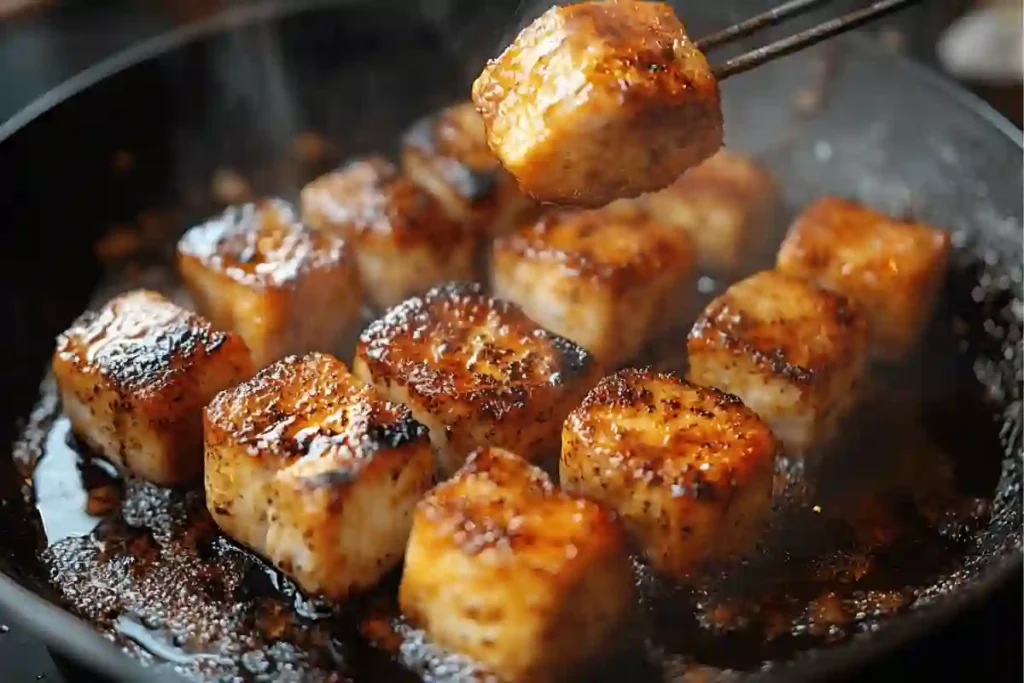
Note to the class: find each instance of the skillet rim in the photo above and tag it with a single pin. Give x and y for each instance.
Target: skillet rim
(60, 630)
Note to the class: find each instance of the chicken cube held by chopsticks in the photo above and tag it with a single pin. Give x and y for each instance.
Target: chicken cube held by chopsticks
(600, 100)
(284, 287)
(134, 377)
(793, 352)
(609, 279)
(307, 466)
(688, 468)
(531, 582)
(403, 239)
(477, 371)
(894, 268)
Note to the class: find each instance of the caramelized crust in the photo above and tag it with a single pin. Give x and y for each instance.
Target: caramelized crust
(261, 244)
(134, 377)
(404, 240)
(258, 270)
(447, 154)
(893, 268)
(727, 204)
(309, 406)
(688, 468)
(609, 279)
(793, 352)
(476, 371)
(503, 567)
(600, 100)
(307, 466)
(785, 325)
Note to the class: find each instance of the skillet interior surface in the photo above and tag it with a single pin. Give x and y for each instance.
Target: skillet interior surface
(139, 151)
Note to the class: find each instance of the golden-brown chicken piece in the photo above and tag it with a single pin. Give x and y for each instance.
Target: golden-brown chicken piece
(727, 204)
(688, 468)
(404, 240)
(476, 371)
(284, 287)
(503, 567)
(447, 154)
(600, 100)
(134, 377)
(894, 268)
(608, 279)
(307, 466)
(793, 352)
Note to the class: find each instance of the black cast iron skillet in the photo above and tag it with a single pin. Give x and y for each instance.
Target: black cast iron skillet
(233, 93)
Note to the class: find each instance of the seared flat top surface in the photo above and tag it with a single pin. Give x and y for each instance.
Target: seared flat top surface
(973, 645)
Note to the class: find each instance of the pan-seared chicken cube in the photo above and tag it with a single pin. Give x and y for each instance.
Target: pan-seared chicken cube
(476, 371)
(286, 288)
(527, 580)
(688, 468)
(600, 100)
(134, 377)
(792, 352)
(893, 268)
(608, 279)
(404, 240)
(308, 467)
(726, 204)
(447, 154)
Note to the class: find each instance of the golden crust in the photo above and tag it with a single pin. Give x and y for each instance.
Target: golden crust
(498, 501)
(455, 139)
(793, 352)
(688, 468)
(446, 153)
(404, 240)
(614, 249)
(262, 244)
(301, 458)
(476, 370)
(600, 100)
(134, 377)
(786, 326)
(369, 199)
(308, 406)
(505, 568)
(140, 343)
(893, 268)
(256, 269)
(608, 279)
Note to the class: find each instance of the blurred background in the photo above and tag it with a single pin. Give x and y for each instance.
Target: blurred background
(44, 43)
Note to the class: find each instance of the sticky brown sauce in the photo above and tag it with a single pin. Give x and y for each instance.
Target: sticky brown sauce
(895, 508)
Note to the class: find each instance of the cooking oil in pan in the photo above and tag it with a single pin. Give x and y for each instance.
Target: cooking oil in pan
(889, 516)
